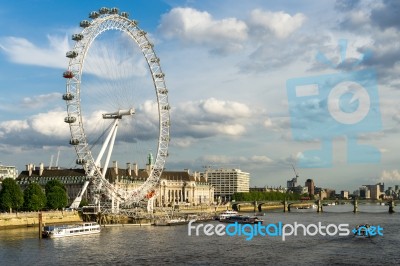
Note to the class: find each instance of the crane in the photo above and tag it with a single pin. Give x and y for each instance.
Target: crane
(51, 162)
(295, 172)
(58, 157)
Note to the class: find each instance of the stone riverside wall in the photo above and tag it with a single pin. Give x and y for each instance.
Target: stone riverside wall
(31, 219)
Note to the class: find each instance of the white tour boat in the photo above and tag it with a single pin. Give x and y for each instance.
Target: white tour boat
(56, 231)
(226, 214)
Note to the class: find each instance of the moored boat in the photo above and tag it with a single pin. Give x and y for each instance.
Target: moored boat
(241, 219)
(226, 214)
(170, 221)
(57, 231)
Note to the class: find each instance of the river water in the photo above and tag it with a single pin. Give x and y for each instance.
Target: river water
(171, 245)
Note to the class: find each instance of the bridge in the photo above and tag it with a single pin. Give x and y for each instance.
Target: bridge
(258, 205)
(286, 205)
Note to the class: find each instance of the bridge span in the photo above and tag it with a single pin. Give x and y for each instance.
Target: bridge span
(317, 205)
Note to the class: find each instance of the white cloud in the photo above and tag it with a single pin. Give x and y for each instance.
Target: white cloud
(116, 52)
(22, 51)
(193, 26)
(15, 126)
(387, 175)
(182, 142)
(359, 17)
(40, 100)
(217, 159)
(261, 159)
(230, 109)
(150, 108)
(235, 160)
(267, 123)
(36, 131)
(50, 129)
(281, 24)
(233, 129)
(50, 124)
(213, 129)
(211, 117)
(310, 161)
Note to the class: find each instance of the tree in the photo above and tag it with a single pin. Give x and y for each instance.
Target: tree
(267, 196)
(11, 196)
(57, 198)
(84, 202)
(34, 197)
(56, 194)
(54, 183)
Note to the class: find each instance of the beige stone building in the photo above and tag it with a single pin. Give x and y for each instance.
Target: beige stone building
(175, 188)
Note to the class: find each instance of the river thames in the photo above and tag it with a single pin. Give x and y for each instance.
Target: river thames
(171, 245)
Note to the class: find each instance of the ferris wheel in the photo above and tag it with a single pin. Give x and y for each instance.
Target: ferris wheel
(112, 74)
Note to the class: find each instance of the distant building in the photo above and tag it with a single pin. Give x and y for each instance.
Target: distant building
(176, 187)
(392, 193)
(310, 185)
(325, 193)
(322, 194)
(375, 191)
(8, 172)
(300, 190)
(226, 182)
(364, 192)
(381, 187)
(290, 184)
(344, 194)
(181, 187)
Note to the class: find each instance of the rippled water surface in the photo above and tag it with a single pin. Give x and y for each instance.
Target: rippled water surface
(150, 245)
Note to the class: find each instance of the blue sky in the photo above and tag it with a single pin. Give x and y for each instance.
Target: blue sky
(227, 64)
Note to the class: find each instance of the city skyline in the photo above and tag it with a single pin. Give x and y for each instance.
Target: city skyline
(226, 67)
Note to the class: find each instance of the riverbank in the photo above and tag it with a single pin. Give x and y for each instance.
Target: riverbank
(31, 219)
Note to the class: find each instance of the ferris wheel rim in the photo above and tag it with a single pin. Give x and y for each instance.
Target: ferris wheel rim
(100, 23)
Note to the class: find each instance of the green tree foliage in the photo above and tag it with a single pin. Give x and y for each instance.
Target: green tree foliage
(56, 194)
(84, 202)
(11, 196)
(34, 197)
(258, 195)
(57, 198)
(54, 183)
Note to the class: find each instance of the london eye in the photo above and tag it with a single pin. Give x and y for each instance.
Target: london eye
(117, 104)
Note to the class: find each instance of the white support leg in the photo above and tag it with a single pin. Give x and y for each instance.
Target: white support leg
(112, 204)
(105, 144)
(110, 148)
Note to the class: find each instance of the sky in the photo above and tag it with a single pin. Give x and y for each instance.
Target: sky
(252, 85)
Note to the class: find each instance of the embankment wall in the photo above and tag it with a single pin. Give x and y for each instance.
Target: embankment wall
(31, 219)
